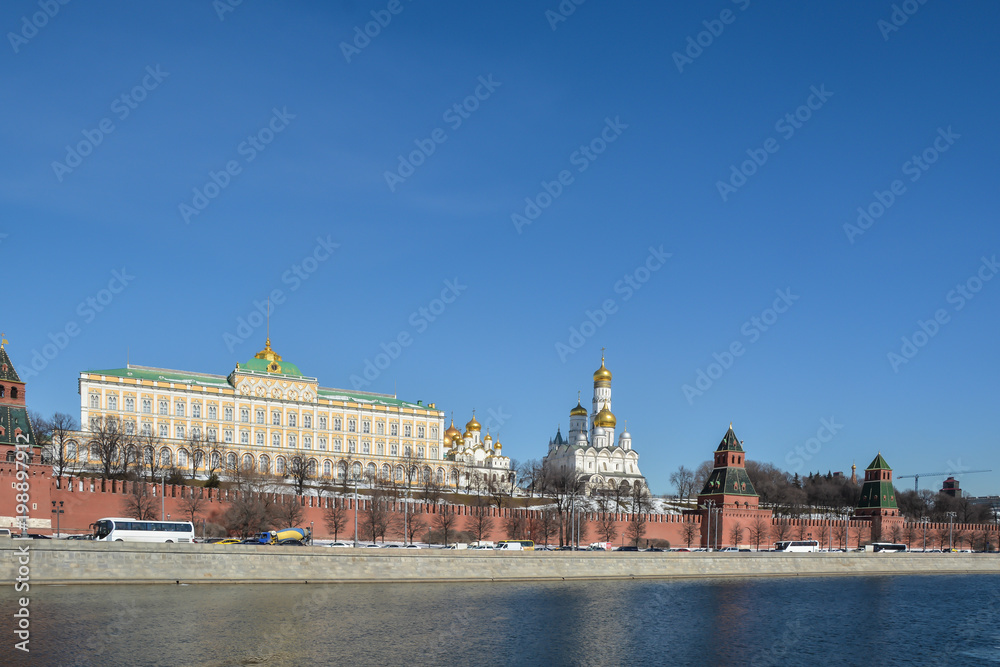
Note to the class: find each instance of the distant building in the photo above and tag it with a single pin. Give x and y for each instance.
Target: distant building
(591, 451)
(476, 455)
(15, 425)
(950, 488)
(878, 500)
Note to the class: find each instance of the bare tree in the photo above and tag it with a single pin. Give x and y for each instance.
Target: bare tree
(192, 502)
(547, 525)
(109, 440)
(514, 526)
(289, 512)
(252, 511)
(701, 475)
(499, 490)
(683, 481)
(414, 526)
(641, 506)
(430, 491)
(64, 460)
(377, 518)
(736, 534)
(479, 522)
(336, 517)
(690, 531)
(445, 521)
(140, 503)
(42, 428)
(759, 530)
(298, 470)
(781, 530)
(607, 527)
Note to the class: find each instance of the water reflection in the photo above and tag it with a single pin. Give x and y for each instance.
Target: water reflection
(850, 621)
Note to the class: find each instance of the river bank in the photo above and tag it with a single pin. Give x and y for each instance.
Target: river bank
(58, 562)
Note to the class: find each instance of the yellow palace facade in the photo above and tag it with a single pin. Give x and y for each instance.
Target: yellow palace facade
(265, 415)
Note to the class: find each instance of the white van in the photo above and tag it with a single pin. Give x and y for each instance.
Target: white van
(4, 532)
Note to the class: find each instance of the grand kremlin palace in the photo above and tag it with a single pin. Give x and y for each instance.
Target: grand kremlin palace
(266, 414)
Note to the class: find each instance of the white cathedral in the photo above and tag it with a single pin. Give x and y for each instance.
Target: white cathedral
(590, 450)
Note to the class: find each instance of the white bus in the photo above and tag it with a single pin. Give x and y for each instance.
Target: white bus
(134, 530)
(878, 547)
(797, 545)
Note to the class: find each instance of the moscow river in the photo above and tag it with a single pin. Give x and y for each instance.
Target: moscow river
(901, 620)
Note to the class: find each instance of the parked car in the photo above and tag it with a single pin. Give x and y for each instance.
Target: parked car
(391, 546)
(229, 540)
(627, 548)
(372, 546)
(291, 543)
(340, 545)
(595, 548)
(655, 550)
(412, 546)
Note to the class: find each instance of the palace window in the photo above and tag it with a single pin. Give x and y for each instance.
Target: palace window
(307, 421)
(337, 424)
(276, 418)
(231, 460)
(291, 441)
(293, 420)
(129, 427)
(307, 442)
(366, 448)
(95, 401)
(380, 428)
(213, 412)
(407, 450)
(244, 437)
(279, 466)
(182, 457)
(129, 404)
(228, 413)
(420, 431)
(179, 409)
(434, 432)
(163, 430)
(196, 432)
(276, 439)
(213, 434)
(245, 415)
(163, 407)
(147, 406)
(179, 431)
(327, 468)
(379, 448)
(112, 402)
(260, 416)
(196, 411)
(394, 450)
(216, 461)
(322, 444)
(227, 435)
(420, 452)
(147, 428)
(322, 423)
(164, 457)
(352, 446)
(366, 426)
(336, 444)
(394, 429)
(260, 438)
(352, 425)
(406, 430)
(434, 452)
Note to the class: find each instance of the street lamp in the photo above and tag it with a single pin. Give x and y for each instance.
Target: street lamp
(951, 530)
(354, 476)
(57, 512)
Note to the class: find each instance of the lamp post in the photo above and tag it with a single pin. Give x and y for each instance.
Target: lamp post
(924, 521)
(951, 530)
(355, 478)
(57, 512)
(163, 491)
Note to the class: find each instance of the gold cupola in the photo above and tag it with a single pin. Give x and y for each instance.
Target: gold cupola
(605, 418)
(579, 410)
(452, 432)
(473, 426)
(602, 374)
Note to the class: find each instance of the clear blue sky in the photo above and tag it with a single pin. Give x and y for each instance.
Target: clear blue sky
(337, 122)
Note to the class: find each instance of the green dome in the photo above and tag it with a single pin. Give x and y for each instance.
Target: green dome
(269, 361)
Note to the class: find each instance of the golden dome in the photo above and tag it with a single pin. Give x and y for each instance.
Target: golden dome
(267, 353)
(473, 425)
(578, 410)
(602, 374)
(605, 418)
(488, 438)
(467, 434)
(497, 446)
(452, 431)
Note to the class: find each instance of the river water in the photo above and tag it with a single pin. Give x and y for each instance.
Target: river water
(902, 620)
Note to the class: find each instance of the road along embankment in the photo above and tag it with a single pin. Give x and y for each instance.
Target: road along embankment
(65, 562)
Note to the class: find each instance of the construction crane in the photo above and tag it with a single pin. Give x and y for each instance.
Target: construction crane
(916, 478)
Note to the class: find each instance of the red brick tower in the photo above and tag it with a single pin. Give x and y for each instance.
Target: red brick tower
(729, 503)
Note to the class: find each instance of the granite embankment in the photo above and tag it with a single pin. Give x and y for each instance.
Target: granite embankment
(58, 562)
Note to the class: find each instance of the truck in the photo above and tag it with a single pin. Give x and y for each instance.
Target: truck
(275, 536)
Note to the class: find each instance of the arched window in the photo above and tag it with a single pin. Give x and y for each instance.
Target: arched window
(13, 392)
(327, 468)
(182, 457)
(2, 390)
(279, 465)
(312, 467)
(216, 460)
(71, 451)
(248, 461)
(164, 457)
(386, 471)
(341, 470)
(276, 439)
(399, 473)
(440, 476)
(10, 456)
(426, 476)
(371, 471)
(265, 464)
(231, 460)
(356, 470)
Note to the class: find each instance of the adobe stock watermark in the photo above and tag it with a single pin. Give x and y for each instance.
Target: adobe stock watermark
(419, 321)
(958, 297)
(248, 149)
(223, 7)
(805, 452)
(786, 126)
(294, 277)
(752, 329)
(31, 25)
(363, 36)
(915, 167)
(87, 311)
(714, 28)
(562, 12)
(122, 107)
(454, 116)
(627, 286)
(581, 158)
(900, 14)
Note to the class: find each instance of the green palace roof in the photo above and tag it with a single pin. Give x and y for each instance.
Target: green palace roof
(729, 443)
(878, 464)
(7, 372)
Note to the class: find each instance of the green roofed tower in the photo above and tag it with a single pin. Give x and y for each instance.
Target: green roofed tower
(878, 496)
(15, 426)
(729, 485)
